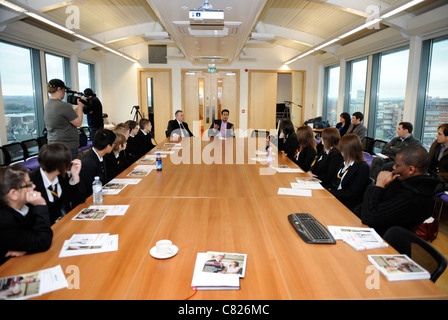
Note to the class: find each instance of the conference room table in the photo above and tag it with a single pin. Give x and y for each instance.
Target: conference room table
(212, 195)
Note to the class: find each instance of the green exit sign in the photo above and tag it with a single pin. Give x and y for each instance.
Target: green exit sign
(211, 69)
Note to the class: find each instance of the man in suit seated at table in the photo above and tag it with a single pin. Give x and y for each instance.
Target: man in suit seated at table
(404, 138)
(92, 161)
(177, 127)
(222, 128)
(403, 197)
(356, 127)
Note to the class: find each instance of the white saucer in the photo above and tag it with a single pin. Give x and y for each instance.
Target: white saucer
(157, 255)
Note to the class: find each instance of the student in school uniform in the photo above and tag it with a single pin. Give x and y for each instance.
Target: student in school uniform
(116, 161)
(306, 152)
(131, 150)
(287, 140)
(93, 160)
(144, 138)
(352, 179)
(61, 190)
(329, 160)
(24, 224)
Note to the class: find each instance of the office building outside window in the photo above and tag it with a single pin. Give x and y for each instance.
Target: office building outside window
(16, 71)
(391, 93)
(436, 103)
(331, 94)
(358, 76)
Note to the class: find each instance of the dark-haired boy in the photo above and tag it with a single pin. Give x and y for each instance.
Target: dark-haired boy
(92, 161)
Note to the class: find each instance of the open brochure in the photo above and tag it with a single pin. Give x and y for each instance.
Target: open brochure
(100, 212)
(398, 267)
(116, 185)
(218, 271)
(141, 170)
(80, 244)
(33, 284)
(358, 238)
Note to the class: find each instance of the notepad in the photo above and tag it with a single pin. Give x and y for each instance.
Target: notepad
(294, 192)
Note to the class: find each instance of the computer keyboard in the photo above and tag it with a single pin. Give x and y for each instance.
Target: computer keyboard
(309, 229)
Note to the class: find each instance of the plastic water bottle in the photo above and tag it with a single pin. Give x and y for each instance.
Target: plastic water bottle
(97, 188)
(159, 162)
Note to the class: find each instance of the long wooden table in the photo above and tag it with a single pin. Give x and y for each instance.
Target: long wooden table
(228, 206)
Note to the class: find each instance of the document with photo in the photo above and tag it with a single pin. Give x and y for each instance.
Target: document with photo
(226, 263)
(91, 214)
(29, 285)
(81, 244)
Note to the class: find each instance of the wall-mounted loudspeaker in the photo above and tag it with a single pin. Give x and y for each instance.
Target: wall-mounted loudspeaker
(157, 54)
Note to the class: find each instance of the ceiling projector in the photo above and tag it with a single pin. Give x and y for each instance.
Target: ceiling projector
(207, 17)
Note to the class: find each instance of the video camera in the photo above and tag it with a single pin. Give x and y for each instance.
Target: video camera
(73, 96)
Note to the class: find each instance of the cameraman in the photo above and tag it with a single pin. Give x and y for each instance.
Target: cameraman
(61, 119)
(94, 112)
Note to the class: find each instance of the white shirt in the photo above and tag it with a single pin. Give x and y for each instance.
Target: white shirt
(53, 183)
(343, 172)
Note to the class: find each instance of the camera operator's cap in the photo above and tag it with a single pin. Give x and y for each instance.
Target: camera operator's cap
(56, 83)
(88, 92)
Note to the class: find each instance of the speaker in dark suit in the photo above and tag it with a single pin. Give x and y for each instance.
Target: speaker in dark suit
(178, 126)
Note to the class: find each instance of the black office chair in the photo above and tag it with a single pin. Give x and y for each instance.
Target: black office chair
(30, 147)
(3, 162)
(378, 146)
(406, 242)
(367, 144)
(42, 141)
(14, 152)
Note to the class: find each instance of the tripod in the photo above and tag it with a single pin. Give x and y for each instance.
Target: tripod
(137, 113)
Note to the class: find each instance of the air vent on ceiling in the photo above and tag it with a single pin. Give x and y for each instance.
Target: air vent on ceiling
(231, 28)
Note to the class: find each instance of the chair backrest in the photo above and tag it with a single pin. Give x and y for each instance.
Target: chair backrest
(86, 131)
(30, 147)
(378, 146)
(42, 141)
(14, 152)
(419, 250)
(3, 162)
(367, 144)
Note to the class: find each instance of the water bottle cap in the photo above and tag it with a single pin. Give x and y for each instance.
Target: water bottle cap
(97, 178)
(158, 153)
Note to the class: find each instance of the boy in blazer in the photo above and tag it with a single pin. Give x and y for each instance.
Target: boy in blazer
(60, 191)
(92, 161)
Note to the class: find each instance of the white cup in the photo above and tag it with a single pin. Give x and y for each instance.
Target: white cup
(164, 247)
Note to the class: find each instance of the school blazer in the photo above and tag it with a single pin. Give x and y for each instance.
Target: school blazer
(353, 185)
(71, 196)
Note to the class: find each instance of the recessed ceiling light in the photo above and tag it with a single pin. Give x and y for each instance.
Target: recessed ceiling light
(228, 8)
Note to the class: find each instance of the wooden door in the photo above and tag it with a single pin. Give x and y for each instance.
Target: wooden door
(262, 100)
(297, 99)
(155, 89)
(205, 95)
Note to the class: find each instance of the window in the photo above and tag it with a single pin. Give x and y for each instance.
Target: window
(331, 94)
(85, 72)
(357, 76)
(391, 93)
(55, 67)
(16, 71)
(436, 100)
